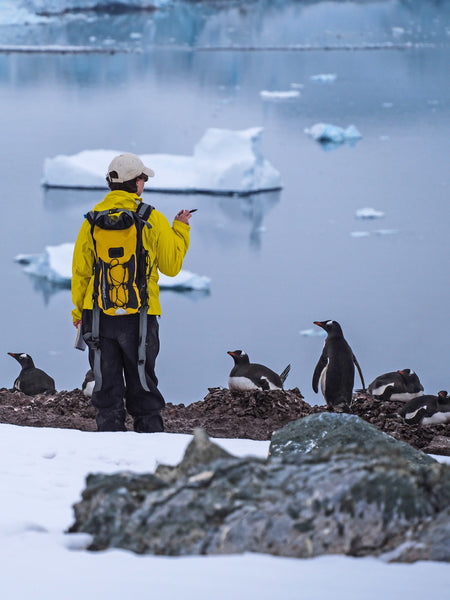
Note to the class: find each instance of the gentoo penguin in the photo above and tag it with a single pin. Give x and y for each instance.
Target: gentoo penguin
(427, 410)
(399, 385)
(88, 383)
(246, 376)
(335, 370)
(32, 380)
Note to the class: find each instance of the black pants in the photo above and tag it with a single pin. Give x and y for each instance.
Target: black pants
(119, 341)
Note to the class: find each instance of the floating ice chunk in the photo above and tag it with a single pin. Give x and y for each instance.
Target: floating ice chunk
(280, 95)
(223, 162)
(369, 213)
(386, 231)
(398, 31)
(359, 234)
(324, 78)
(55, 265)
(327, 133)
(185, 280)
(313, 333)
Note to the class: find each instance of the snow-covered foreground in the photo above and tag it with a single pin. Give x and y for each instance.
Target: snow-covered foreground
(42, 473)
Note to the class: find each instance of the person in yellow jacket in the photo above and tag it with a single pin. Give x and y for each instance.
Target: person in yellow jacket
(119, 334)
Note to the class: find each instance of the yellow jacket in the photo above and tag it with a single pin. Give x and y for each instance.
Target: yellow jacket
(166, 245)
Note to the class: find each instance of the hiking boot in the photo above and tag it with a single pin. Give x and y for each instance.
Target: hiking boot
(148, 424)
(110, 421)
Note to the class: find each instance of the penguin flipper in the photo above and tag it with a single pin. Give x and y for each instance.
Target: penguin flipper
(318, 371)
(359, 372)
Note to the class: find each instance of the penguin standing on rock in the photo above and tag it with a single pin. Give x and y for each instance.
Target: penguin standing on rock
(401, 385)
(31, 380)
(335, 370)
(427, 410)
(245, 376)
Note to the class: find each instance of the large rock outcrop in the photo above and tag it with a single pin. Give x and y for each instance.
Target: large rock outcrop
(332, 484)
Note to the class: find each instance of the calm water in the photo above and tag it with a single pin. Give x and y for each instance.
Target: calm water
(277, 261)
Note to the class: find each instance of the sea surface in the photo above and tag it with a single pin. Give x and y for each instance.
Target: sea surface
(277, 261)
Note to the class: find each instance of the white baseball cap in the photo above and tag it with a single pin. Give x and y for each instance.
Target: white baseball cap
(127, 167)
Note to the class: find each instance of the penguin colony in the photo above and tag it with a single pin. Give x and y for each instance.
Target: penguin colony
(334, 374)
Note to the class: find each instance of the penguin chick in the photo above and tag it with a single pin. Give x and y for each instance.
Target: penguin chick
(335, 370)
(246, 376)
(399, 385)
(427, 410)
(31, 380)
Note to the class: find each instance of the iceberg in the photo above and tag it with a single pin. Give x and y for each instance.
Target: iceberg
(223, 162)
(326, 133)
(55, 266)
(313, 333)
(279, 95)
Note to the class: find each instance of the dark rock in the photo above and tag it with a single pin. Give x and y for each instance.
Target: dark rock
(200, 451)
(295, 504)
(439, 444)
(332, 434)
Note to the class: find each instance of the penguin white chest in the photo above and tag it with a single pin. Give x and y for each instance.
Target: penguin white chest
(241, 384)
(439, 418)
(405, 396)
(244, 384)
(89, 389)
(323, 378)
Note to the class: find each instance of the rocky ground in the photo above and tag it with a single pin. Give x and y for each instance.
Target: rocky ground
(253, 415)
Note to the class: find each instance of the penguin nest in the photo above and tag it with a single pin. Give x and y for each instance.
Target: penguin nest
(252, 415)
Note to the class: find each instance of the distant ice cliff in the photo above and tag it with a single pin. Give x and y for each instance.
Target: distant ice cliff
(55, 7)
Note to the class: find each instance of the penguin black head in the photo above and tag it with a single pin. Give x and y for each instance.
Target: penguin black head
(239, 357)
(24, 359)
(331, 327)
(405, 372)
(443, 397)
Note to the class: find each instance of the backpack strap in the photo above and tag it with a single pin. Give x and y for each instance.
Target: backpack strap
(143, 212)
